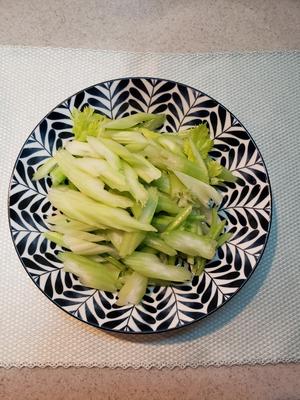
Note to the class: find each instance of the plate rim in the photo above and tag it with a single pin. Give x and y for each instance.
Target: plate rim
(188, 324)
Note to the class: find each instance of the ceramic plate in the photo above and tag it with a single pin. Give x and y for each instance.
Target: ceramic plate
(246, 206)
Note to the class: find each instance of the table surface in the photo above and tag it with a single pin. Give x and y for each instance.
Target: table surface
(160, 26)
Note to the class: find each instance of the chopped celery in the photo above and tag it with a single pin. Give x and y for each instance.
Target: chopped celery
(126, 163)
(82, 149)
(150, 266)
(101, 168)
(163, 183)
(84, 247)
(104, 151)
(135, 119)
(137, 190)
(132, 240)
(190, 243)
(133, 290)
(44, 169)
(57, 176)
(78, 206)
(179, 219)
(87, 184)
(154, 241)
(101, 276)
(165, 203)
(202, 191)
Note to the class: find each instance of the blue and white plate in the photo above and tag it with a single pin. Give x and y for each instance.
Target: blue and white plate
(246, 205)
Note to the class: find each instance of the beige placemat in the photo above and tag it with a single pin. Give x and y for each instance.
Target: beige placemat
(261, 323)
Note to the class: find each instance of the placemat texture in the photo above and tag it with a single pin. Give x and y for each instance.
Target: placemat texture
(261, 323)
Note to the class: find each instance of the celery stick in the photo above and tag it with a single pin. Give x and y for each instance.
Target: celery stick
(78, 206)
(202, 191)
(63, 224)
(147, 249)
(198, 160)
(131, 241)
(90, 237)
(165, 203)
(77, 148)
(216, 226)
(115, 262)
(167, 160)
(137, 190)
(44, 169)
(179, 219)
(198, 266)
(57, 176)
(160, 222)
(84, 247)
(55, 237)
(133, 120)
(101, 168)
(163, 183)
(154, 241)
(150, 266)
(136, 147)
(103, 150)
(154, 123)
(225, 237)
(88, 185)
(116, 237)
(190, 243)
(133, 290)
(101, 276)
(170, 144)
(127, 137)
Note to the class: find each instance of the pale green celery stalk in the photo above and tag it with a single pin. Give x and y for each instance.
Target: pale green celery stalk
(102, 276)
(81, 149)
(80, 207)
(200, 190)
(137, 190)
(103, 150)
(160, 222)
(97, 258)
(84, 247)
(198, 160)
(154, 241)
(57, 176)
(154, 123)
(150, 266)
(170, 145)
(225, 237)
(142, 166)
(163, 183)
(55, 237)
(133, 120)
(179, 219)
(216, 226)
(198, 266)
(101, 168)
(132, 240)
(127, 137)
(116, 237)
(136, 147)
(165, 159)
(179, 192)
(87, 184)
(190, 243)
(165, 203)
(116, 263)
(227, 175)
(90, 237)
(147, 249)
(190, 260)
(148, 134)
(190, 226)
(134, 289)
(44, 169)
(63, 224)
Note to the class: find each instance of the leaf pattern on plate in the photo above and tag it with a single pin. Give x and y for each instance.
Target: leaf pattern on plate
(246, 206)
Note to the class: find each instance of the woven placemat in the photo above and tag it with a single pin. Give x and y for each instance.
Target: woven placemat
(261, 323)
